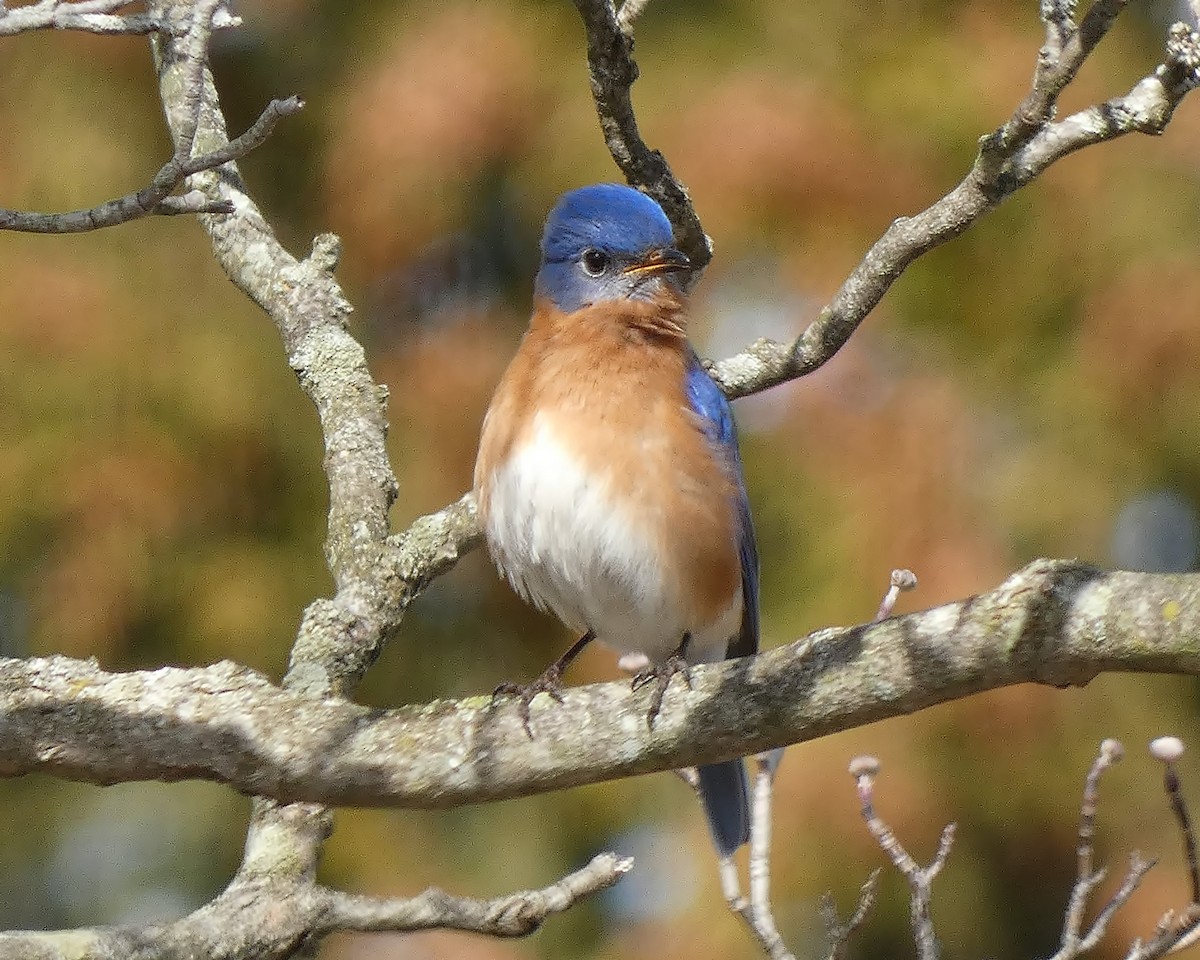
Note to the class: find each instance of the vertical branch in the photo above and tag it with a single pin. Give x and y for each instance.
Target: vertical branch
(338, 639)
(612, 71)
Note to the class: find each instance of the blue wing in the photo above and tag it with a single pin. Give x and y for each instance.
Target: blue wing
(707, 400)
(724, 789)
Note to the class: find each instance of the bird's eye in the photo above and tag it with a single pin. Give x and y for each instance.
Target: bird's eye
(594, 262)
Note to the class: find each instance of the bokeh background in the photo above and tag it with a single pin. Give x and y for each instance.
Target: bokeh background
(1030, 389)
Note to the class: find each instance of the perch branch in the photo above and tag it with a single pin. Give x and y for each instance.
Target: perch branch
(1054, 622)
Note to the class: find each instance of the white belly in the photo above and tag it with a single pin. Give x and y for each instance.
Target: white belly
(556, 533)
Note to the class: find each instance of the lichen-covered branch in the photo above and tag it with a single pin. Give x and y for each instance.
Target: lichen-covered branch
(271, 915)
(1054, 622)
(612, 71)
(91, 16)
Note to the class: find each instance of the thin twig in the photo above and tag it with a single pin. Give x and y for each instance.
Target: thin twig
(1138, 868)
(1173, 929)
(901, 582)
(612, 71)
(155, 198)
(91, 16)
(1087, 879)
(630, 11)
(838, 931)
(513, 915)
(920, 879)
(756, 911)
(1169, 750)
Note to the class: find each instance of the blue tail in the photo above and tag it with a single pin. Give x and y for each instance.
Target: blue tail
(725, 794)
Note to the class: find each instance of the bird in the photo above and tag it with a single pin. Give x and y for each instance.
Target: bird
(609, 482)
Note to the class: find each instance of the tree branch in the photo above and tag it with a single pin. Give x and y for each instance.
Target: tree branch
(612, 71)
(91, 16)
(920, 879)
(155, 198)
(270, 916)
(1055, 622)
(1009, 158)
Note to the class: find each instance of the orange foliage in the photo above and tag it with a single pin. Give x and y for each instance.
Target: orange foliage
(451, 96)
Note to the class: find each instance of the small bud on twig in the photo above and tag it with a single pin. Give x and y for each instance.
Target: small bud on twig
(1166, 749)
(864, 766)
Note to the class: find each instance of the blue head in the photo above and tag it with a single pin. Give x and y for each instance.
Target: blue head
(606, 242)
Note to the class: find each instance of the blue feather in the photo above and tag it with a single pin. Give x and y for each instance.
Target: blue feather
(716, 415)
(614, 220)
(724, 789)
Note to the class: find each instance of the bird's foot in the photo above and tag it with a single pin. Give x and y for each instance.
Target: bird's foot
(550, 682)
(660, 675)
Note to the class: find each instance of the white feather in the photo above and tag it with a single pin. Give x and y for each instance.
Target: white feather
(559, 536)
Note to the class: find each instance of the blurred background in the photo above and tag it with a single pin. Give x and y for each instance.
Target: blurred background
(1028, 390)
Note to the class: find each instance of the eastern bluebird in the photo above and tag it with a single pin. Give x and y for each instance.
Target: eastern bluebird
(608, 478)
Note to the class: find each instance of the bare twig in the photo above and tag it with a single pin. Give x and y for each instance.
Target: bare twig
(838, 931)
(513, 915)
(1074, 942)
(756, 911)
(1174, 931)
(1059, 18)
(155, 199)
(1169, 750)
(1067, 47)
(920, 879)
(267, 913)
(630, 11)
(92, 16)
(901, 582)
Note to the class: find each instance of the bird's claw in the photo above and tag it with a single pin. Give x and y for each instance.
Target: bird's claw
(550, 682)
(660, 674)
